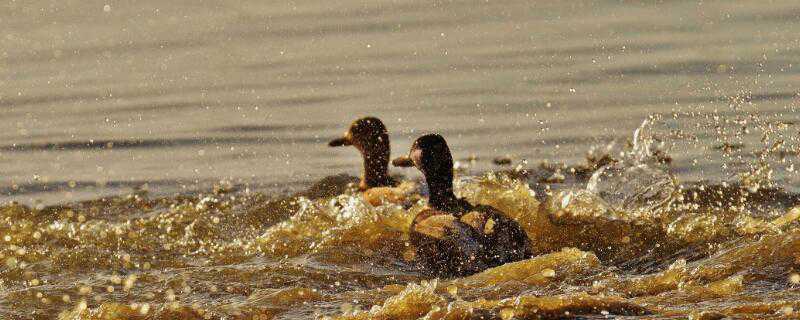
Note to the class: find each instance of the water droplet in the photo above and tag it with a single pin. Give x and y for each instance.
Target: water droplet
(84, 290)
(507, 314)
(129, 282)
(144, 309)
(170, 295)
(452, 290)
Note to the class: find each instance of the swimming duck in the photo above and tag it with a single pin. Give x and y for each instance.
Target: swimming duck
(370, 137)
(451, 236)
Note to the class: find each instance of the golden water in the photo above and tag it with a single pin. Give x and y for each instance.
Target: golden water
(238, 255)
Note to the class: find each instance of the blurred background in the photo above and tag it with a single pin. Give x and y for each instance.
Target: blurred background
(103, 97)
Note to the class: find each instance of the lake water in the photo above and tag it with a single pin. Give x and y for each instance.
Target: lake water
(121, 117)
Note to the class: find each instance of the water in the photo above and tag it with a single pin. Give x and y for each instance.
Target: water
(179, 94)
(150, 151)
(219, 256)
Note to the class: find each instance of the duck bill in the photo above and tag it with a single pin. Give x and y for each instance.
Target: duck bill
(403, 162)
(340, 142)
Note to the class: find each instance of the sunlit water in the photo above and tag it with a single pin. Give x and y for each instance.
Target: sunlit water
(166, 160)
(240, 255)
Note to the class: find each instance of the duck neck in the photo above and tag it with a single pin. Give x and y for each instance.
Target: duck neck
(375, 172)
(442, 196)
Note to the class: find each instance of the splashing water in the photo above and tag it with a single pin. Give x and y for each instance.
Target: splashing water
(639, 182)
(243, 255)
(631, 243)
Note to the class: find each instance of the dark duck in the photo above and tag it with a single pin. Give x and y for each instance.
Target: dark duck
(451, 236)
(371, 138)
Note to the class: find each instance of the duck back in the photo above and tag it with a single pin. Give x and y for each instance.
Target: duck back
(458, 245)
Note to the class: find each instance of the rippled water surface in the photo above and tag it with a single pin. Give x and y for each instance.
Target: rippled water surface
(168, 160)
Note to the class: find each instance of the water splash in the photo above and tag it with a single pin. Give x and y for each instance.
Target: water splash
(640, 180)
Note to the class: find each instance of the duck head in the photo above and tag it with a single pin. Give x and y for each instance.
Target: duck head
(371, 138)
(431, 155)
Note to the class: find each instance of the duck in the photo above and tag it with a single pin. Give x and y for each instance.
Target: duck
(452, 237)
(371, 138)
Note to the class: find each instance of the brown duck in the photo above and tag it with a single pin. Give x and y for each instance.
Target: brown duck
(451, 236)
(370, 137)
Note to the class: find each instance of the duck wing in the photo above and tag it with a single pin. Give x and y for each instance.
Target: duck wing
(506, 241)
(446, 246)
